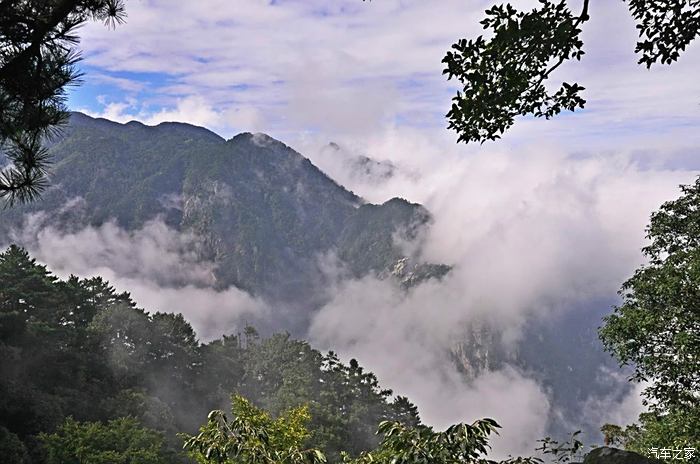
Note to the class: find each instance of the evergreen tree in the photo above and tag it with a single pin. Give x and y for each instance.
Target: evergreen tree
(27, 291)
(79, 348)
(37, 61)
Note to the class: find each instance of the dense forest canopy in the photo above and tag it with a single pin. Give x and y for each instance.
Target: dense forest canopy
(77, 348)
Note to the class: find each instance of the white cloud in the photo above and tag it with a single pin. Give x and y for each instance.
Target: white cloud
(405, 341)
(618, 407)
(192, 109)
(157, 265)
(551, 216)
(363, 66)
(531, 234)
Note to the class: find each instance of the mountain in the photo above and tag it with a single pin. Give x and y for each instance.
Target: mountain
(270, 221)
(262, 213)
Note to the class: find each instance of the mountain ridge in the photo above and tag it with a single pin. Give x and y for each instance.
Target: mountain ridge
(269, 220)
(263, 212)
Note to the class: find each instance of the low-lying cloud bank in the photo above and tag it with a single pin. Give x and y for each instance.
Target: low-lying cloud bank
(156, 264)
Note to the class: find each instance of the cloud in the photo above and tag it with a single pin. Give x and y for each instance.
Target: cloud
(532, 234)
(157, 265)
(193, 109)
(550, 218)
(547, 220)
(406, 344)
(212, 313)
(128, 85)
(621, 406)
(293, 67)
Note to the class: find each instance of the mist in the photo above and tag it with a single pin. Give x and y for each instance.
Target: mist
(156, 264)
(531, 235)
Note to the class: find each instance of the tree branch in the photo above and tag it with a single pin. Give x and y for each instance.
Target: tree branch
(43, 28)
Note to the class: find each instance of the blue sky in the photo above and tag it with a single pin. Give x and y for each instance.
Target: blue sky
(349, 68)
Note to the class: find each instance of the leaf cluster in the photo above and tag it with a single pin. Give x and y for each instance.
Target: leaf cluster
(37, 62)
(657, 327)
(676, 429)
(253, 436)
(665, 28)
(504, 76)
(119, 441)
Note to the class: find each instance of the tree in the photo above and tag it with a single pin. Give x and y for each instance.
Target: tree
(37, 61)
(120, 441)
(679, 429)
(12, 449)
(504, 76)
(656, 329)
(460, 443)
(252, 436)
(26, 292)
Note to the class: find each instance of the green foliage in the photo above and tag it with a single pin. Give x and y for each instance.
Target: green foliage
(421, 445)
(37, 63)
(612, 434)
(505, 76)
(120, 441)
(665, 28)
(26, 291)
(253, 436)
(12, 449)
(657, 327)
(78, 348)
(678, 429)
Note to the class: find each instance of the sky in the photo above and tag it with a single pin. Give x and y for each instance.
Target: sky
(347, 67)
(548, 218)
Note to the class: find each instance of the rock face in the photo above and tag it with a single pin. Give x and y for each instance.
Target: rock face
(606, 455)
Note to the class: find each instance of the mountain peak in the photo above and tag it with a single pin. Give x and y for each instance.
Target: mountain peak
(258, 138)
(262, 212)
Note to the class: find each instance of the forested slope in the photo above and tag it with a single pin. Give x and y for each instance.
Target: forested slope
(77, 348)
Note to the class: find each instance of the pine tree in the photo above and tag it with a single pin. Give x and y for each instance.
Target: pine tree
(26, 291)
(37, 61)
